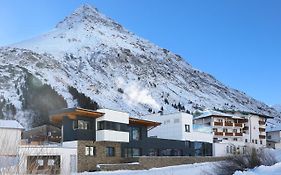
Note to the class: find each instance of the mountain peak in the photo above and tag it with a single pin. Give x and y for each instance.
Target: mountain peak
(87, 15)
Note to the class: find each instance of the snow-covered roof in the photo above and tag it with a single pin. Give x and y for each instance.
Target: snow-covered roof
(11, 124)
(208, 113)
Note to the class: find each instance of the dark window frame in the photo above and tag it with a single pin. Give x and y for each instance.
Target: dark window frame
(110, 151)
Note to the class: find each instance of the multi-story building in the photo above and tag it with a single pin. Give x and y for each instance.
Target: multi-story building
(89, 138)
(233, 132)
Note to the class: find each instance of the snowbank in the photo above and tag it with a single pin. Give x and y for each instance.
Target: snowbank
(194, 169)
(263, 170)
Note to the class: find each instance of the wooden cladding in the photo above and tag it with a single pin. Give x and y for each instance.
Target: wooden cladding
(238, 124)
(228, 134)
(238, 134)
(261, 122)
(262, 129)
(218, 123)
(219, 133)
(262, 136)
(228, 123)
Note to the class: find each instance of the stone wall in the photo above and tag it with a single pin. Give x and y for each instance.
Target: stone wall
(89, 163)
(156, 162)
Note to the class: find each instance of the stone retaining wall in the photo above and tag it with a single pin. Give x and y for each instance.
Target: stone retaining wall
(157, 162)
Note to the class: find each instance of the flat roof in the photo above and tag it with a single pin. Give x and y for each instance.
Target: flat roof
(72, 113)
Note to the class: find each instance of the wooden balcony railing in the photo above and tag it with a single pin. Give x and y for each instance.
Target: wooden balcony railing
(262, 129)
(228, 134)
(219, 133)
(218, 123)
(238, 124)
(262, 136)
(228, 124)
(238, 134)
(261, 122)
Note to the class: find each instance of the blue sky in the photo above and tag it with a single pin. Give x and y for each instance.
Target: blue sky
(237, 41)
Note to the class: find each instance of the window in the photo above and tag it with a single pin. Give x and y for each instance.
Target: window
(256, 141)
(177, 120)
(81, 124)
(246, 140)
(235, 139)
(110, 151)
(227, 150)
(187, 128)
(132, 152)
(152, 152)
(261, 142)
(253, 141)
(235, 130)
(51, 162)
(40, 162)
(90, 151)
(135, 133)
(224, 130)
(114, 126)
(269, 136)
(166, 122)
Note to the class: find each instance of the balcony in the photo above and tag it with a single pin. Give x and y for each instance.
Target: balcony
(261, 122)
(238, 125)
(228, 134)
(228, 124)
(218, 133)
(262, 136)
(218, 123)
(238, 134)
(262, 129)
(246, 128)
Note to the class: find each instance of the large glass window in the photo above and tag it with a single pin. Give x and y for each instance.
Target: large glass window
(81, 124)
(110, 151)
(108, 125)
(152, 152)
(132, 152)
(135, 133)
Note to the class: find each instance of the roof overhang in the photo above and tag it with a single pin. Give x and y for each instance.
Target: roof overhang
(72, 113)
(147, 123)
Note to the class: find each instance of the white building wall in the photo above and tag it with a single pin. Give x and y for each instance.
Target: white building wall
(9, 141)
(113, 136)
(65, 156)
(114, 116)
(109, 135)
(173, 127)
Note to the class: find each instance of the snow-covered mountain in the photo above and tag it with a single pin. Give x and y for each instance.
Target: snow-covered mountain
(89, 60)
(277, 107)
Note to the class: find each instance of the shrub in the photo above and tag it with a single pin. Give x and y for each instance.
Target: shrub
(250, 160)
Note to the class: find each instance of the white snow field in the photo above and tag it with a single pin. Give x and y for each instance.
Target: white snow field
(192, 169)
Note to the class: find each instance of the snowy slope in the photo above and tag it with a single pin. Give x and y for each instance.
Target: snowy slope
(277, 107)
(115, 68)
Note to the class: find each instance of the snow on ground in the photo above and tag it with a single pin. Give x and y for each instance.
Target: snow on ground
(194, 169)
(263, 170)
